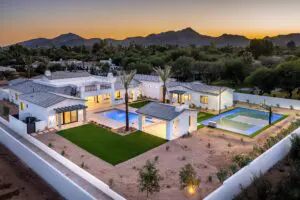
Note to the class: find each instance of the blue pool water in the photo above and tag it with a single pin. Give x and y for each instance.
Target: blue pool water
(242, 120)
(120, 116)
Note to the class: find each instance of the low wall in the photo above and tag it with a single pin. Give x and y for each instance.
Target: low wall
(17, 125)
(232, 186)
(65, 186)
(40, 126)
(274, 101)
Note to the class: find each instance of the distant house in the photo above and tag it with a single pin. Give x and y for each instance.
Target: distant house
(7, 69)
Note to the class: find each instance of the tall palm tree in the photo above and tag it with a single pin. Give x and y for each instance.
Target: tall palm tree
(126, 78)
(164, 75)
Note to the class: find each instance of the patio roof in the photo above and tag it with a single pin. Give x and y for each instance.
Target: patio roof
(177, 91)
(160, 111)
(70, 108)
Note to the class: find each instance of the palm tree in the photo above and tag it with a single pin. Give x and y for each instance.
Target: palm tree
(126, 79)
(164, 75)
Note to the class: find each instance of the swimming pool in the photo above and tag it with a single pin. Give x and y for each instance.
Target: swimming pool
(120, 116)
(243, 120)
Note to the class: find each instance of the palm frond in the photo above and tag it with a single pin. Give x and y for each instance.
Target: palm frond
(164, 73)
(126, 78)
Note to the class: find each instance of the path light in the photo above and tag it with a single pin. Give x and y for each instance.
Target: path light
(191, 189)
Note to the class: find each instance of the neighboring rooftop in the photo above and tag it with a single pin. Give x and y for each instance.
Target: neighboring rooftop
(7, 69)
(150, 78)
(16, 81)
(66, 74)
(197, 87)
(160, 111)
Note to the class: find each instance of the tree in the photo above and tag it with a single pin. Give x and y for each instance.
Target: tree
(247, 57)
(291, 45)
(183, 67)
(164, 75)
(234, 71)
(263, 78)
(126, 79)
(260, 47)
(289, 75)
(188, 177)
(149, 178)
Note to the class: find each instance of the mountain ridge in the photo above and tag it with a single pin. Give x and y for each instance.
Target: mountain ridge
(183, 37)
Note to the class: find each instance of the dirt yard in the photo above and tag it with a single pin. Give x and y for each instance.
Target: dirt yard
(207, 150)
(18, 182)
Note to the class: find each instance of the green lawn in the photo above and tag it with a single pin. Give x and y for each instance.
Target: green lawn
(110, 146)
(139, 104)
(203, 116)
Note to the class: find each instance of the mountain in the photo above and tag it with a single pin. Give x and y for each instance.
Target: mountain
(183, 37)
(69, 39)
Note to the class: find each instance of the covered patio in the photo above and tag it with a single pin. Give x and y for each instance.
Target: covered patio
(68, 115)
(180, 97)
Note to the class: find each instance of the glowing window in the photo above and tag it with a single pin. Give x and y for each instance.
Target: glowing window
(204, 99)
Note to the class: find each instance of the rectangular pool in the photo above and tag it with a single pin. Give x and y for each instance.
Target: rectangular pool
(243, 120)
(120, 116)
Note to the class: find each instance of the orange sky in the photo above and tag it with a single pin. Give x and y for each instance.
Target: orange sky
(22, 20)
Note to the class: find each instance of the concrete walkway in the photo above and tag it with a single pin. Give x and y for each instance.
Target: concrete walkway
(91, 189)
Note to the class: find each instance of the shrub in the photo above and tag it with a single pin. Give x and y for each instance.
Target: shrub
(291, 107)
(262, 187)
(156, 158)
(50, 145)
(241, 160)
(222, 175)
(209, 179)
(229, 144)
(149, 178)
(82, 165)
(167, 148)
(233, 169)
(295, 149)
(208, 145)
(188, 177)
(62, 152)
(111, 182)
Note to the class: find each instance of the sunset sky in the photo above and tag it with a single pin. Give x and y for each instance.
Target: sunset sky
(26, 19)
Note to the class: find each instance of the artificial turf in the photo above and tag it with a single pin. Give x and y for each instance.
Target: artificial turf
(109, 146)
(139, 104)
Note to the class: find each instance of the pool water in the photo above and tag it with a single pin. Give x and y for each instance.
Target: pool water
(243, 120)
(120, 116)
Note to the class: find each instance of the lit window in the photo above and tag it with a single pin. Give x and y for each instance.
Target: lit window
(190, 120)
(204, 99)
(117, 94)
(22, 106)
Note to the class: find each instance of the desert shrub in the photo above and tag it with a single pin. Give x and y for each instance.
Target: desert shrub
(262, 187)
(233, 169)
(188, 177)
(295, 149)
(222, 175)
(241, 160)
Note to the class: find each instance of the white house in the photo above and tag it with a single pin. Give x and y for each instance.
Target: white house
(56, 96)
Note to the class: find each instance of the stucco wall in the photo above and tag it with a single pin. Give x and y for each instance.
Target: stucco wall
(274, 101)
(151, 89)
(244, 177)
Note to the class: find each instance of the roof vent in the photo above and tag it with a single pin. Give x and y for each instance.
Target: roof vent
(48, 73)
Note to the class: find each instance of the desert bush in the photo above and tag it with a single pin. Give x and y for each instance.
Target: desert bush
(222, 175)
(188, 177)
(241, 160)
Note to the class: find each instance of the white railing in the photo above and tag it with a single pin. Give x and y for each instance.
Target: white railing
(244, 177)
